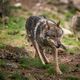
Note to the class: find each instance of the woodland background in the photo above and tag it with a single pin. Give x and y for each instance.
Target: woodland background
(16, 54)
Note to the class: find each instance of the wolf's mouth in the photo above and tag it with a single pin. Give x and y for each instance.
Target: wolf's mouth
(52, 44)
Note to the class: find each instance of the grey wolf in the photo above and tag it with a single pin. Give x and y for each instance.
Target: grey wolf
(44, 32)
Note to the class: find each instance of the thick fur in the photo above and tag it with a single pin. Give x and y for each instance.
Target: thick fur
(38, 29)
(44, 32)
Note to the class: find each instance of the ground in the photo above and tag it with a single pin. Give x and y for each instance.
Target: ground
(16, 64)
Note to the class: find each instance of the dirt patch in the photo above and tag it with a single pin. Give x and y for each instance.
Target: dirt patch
(13, 54)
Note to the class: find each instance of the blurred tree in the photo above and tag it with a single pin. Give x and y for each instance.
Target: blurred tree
(75, 26)
(4, 7)
(5, 10)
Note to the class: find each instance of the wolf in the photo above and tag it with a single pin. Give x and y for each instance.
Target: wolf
(43, 32)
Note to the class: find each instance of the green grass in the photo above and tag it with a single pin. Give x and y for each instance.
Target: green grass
(2, 76)
(29, 62)
(71, 41)
(68, 15)
(24, 62)
(2, 46)
(2, 63)
(51, 70)
(18, 76)
(72, 78)
(64, 68)
(50, 15)
(36, 63)
(16, 23)
(11, 32)
(51, 1)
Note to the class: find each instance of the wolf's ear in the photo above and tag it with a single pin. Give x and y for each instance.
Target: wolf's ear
(47, 25)
(58, 23)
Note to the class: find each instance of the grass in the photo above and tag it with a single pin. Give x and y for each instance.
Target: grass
(16, 23)
(68, 15)
(2, 45)
(2, 63)
(51, 70)
(2, 76)
(18, 76)
(72, 78)
(71, 41)
(64, 68)
(12, 32)
(51, 2)
(36, 63)
(50, 15)
(29, 62)
(24, 62)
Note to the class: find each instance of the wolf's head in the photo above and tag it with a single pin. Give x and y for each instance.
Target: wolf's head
(54, 32)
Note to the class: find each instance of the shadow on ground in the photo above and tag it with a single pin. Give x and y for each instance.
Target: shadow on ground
(15, 64)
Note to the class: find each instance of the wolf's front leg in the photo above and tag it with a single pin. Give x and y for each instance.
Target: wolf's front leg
(40, 53)
(58, 71)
